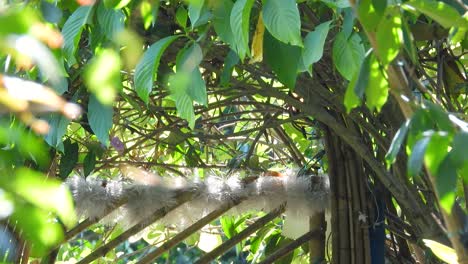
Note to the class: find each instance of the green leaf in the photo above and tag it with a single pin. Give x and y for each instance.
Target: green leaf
(436, 150)
(179, 84)
(239, 20)
(147, 69)
(348, 54)
(336, 3)
(149, 12)
(364, 75)
(58, 126)
(45, 193)
(441, 12)
(277, 55)
(351, 100)
(443, 252)
(182, 16)
(111, 21)
(37, 228)
(102, 76)
(16, 20)
(100, 119)
(221, 21)
(282, 20)
(89, 163)
(116, 4)
(446, 183)
(27, 143)
(459, 150)
(408, 42)
(379, 5)
(197, 88)
(416, 158)
(439, 116)
(190, 58)
(195, 9)
(348, 22)
(227, 224)
(397, 141)
(314, 43)
(187, 62)
(389, 35)
(230, 61)
(377, 88)
(72, 32)
(69, 158)
(368, 16)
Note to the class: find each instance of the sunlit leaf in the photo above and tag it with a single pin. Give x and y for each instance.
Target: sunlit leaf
(131, 44)
(443, 252)
(209, 241)
(47, 194)
(436, 151)
(117, 4)
(72, 32)
(16, 21)
(239, 20)
(27, 143)
(37, 228)
(40, 55)
(100, 119)
(397, 141)
(368, 16)
(389, 35)
(282, 20)
(149, 12)
(441, 12)
(147, 69)
(102, 76)
(377, 86)
(446, 183)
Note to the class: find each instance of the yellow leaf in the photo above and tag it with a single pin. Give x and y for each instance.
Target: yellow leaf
(443, 252)
(257, 42)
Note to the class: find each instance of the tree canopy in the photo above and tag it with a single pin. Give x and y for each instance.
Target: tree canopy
(371, 93)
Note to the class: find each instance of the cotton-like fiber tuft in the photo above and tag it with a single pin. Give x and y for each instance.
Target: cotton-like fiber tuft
(93, 197)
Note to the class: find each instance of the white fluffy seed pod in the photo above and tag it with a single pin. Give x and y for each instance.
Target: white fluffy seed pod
(94, 197)
(143, 201)
(212, 193)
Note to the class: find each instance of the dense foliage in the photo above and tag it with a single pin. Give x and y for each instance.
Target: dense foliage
(375, 90)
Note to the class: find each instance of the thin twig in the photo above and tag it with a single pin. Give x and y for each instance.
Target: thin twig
(291, 246)
(189, 231)
(218, 251)
(181, 198)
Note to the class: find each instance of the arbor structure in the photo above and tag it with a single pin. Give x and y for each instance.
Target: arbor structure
(372, 93)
